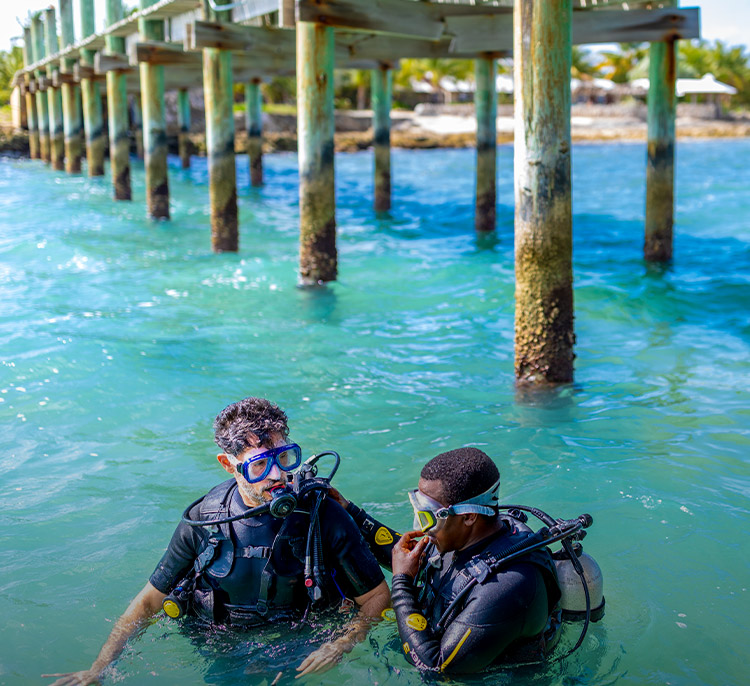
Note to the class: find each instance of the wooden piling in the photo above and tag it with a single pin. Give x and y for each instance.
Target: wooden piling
(31, 118)
(93, 122)
(381, 83)
(54, 96)
(315, 126)
(154, 123)
(485, 103)
(254, 128)
(222, 174)
(72, 124)
(117, 112)
(183, 121)
(137, 122)
(544, 336)
(662, 110)
(42, 111)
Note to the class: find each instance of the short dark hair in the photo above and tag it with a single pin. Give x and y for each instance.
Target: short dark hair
(249, 423)
(463, 473)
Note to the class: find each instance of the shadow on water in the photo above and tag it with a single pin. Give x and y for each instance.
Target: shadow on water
(318, 304)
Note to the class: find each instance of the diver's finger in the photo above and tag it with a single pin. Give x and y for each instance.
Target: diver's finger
(305, 662)
(319, 665)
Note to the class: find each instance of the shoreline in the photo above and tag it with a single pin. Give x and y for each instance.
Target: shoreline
(16, 144)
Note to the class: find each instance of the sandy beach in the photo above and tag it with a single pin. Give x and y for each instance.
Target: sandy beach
(448, 126)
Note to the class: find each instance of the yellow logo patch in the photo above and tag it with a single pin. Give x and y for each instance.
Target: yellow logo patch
(383, 536)
(406, 648)
(416, 622)
(388, 614)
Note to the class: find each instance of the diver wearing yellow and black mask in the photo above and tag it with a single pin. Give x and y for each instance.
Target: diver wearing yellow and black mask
(471, 586)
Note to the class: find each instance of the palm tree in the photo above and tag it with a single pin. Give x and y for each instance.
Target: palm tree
(618, 65)
(730, 65)
(433, 71)
(582, 67)
(10, 63)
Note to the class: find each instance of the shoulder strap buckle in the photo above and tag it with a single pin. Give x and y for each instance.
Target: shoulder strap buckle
(479, 569)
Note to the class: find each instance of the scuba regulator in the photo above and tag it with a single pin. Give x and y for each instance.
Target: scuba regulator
(305, 494)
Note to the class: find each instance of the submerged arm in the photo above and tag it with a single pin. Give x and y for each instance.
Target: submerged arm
(144, 606)
(371, 607)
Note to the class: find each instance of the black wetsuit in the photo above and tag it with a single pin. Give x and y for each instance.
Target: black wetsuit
(510, 616)
(251, 571)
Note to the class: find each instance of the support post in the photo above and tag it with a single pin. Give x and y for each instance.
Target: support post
(42, 110)
(381, 84)
(183, 121)
(54, 96)
(117, 111)
(254, 128)
(93, 121)
(222, 174)
(31, 118)
(544, 336)
(315, 127)
(662, 110)
(137, 110)
(154, 123)
(485, 104)
(72, 124)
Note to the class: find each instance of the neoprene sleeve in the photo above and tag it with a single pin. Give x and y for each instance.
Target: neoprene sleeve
(379, 537)
(511, 607)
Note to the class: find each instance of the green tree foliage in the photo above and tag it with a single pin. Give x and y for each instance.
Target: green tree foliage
(10, 63)
(432, 71)
(583, 66)
(618, 65)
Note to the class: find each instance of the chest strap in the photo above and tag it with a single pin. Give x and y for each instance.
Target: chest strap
(263, 552)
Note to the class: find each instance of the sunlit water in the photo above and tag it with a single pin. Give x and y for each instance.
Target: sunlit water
(122, 338)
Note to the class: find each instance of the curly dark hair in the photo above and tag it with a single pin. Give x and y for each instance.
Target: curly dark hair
(463, 473)
(249, 423)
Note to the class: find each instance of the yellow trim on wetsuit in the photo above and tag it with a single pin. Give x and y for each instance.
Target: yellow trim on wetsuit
(455, 650)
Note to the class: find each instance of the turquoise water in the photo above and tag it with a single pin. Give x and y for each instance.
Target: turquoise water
(121, 339)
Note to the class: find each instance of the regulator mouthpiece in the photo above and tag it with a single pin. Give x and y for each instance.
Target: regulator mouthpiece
(283, 503)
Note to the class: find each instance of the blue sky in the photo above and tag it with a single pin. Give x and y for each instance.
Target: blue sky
(728, 20)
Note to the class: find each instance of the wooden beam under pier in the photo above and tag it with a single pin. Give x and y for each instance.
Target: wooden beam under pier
(422, 19)
(155, 52)
(111, 61)
(485, 33)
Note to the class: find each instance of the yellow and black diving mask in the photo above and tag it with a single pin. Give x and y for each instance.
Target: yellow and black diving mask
(429, 513)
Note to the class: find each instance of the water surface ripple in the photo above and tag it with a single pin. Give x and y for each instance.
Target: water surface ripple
(122, 338)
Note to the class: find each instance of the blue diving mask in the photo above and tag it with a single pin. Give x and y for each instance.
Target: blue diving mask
(429, 514)
(286, 457)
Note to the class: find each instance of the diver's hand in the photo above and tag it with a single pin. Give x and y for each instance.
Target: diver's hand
(336, 495)
(325, 657)
(83, 678)
(407, 553)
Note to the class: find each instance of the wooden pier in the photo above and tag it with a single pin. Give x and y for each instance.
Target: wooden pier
(170, 45)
